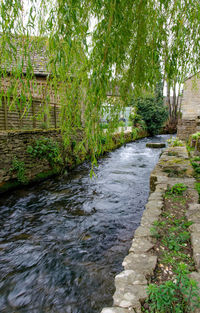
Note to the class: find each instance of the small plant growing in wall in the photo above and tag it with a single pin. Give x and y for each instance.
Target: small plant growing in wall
(46, 148)
(177, 189)
(175, 142)
(18, 167)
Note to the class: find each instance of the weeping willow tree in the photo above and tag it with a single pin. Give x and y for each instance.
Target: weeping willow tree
(132, 45)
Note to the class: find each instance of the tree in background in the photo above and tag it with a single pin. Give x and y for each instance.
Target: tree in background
(151, 109)
(129, 44)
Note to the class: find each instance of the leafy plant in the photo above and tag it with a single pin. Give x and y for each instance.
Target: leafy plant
(177, 189)
(175, 142)
(177, 296)
(152, 111)
(45, 148)
(196, 136)
(18, 167)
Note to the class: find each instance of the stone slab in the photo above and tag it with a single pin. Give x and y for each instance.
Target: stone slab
(142, 263)
(142, 231)
(195, 240)
(129, 277)
(141, 245)
(118, 310)
(130, 296)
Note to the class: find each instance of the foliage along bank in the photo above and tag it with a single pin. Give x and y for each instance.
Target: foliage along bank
(31, 156)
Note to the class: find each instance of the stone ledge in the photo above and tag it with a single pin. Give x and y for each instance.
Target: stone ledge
(131, 284)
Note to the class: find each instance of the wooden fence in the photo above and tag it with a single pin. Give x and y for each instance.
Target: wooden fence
(33, 117)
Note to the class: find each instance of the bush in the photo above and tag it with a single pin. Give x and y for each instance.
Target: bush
(46, 148)
(152, 112)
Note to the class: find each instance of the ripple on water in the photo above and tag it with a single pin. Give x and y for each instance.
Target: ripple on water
(63, 241)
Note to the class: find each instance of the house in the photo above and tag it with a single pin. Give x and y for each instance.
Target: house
(189, 122)
(28, 99)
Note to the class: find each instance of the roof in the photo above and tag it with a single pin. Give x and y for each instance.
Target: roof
(25, 55)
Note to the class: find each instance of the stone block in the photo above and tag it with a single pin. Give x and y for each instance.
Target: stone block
(141, 245)
(142, 263)
(142, 231)
(129, 277)
(118, 310)
(130, 296)
(195, 240)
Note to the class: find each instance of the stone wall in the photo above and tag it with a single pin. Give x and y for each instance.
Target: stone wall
(186, 128)
(13, 144)
(190, 108)
(191, 98)
(139, 265)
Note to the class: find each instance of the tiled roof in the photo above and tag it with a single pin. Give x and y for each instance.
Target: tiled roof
(25, 55)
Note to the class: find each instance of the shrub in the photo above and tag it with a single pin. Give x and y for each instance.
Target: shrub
(45, 148)
(153, 112)
(18, 167)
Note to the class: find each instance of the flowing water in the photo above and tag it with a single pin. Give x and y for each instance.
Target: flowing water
(63, 241)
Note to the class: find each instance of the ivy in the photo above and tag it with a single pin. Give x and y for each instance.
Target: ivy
(46, 148)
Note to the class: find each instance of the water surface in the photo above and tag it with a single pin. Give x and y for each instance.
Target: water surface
(63, 241)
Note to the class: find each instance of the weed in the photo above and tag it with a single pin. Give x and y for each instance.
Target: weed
(177, 296)
(175, 142)
(177, 189)
(46, 148)
(18, 167)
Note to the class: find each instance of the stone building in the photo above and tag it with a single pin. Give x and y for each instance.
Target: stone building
(189, 122)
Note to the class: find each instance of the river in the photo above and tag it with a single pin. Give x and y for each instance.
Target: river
(62, 241)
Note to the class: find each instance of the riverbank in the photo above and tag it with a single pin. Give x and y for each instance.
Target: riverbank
(28, 157)
(145, 263)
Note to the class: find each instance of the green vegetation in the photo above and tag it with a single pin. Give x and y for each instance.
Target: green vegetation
(177, 189)
(175, 142)
(46, 148)
(172, 291)
(196, 136)
(175, 296)
(152, 112)
(132, 44)
(18, 167)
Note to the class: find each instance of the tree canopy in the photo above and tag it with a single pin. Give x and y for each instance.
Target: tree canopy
(132, 45)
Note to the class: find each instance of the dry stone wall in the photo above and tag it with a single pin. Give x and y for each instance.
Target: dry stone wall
(131, 284)
(14, 144)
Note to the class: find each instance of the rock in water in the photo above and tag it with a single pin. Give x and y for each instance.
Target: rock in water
(155, 145)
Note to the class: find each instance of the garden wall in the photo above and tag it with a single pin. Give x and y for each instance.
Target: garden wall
(15, 158)
(13, 145)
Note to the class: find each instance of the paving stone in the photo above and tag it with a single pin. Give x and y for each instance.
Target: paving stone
(193, 216)
(156, 196)
(142, 231)
(130, 296)
(117, 310)
(129, 277)
(196, 276)
(154, 205)
(195, 228)
(194, 207)
(195, 240)
(142, 263)
(148, 220)
(141, 245)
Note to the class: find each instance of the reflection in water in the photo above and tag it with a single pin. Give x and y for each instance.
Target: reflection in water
(63, 241)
